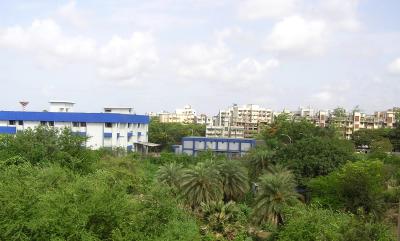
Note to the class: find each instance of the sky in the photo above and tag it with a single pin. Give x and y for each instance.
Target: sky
(159, 55)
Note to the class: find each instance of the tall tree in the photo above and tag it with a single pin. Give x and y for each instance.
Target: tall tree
(170, 174)
(276, 191)
(259, 159)
(234, 179)
(201, 183)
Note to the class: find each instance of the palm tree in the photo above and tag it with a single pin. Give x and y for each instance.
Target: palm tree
(170, 174)
(235, 180)
(259, 159)
(276, 190)
(221, 218)
(201, 184)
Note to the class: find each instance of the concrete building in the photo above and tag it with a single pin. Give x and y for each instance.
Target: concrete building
(187, 115)
(116, 127)
(356, 120)
(233, 147)
(249, 117)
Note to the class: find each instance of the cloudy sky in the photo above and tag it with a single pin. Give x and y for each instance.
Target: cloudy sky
(159, 55)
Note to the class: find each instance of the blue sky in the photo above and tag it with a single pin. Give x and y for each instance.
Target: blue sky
(159, 55)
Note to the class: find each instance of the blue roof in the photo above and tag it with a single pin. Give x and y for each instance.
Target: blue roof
(74, 117)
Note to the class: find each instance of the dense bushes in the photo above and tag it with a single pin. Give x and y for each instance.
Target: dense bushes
(44, 145)
(44, 195)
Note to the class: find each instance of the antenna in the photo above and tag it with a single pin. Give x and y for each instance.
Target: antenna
(24, 104)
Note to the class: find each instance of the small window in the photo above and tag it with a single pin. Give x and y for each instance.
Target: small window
(75, 124)
(11, 122)
(138, 125)
(51, 123)
(21, 123)
(129, 125)
(43, 123)
(107, 110)
(83, 124)
(108, 124)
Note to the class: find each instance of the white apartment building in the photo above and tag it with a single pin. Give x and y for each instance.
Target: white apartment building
(249, 117)
(186, 115)
(116, 127)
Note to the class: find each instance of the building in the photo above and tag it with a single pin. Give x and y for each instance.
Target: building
(356, 120)
(225, 131)
(116, 127)
(233, 147)
(249, 117)
(187, 115)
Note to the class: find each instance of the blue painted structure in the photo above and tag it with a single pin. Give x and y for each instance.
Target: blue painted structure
(233, 146)
(74, 117)
(79, 133)
(107, 135)
(8, 129)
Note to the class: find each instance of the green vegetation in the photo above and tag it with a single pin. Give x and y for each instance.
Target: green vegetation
(305, 183)
(168, 134)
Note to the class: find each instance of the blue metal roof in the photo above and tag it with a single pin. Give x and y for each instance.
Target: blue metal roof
(74, 117)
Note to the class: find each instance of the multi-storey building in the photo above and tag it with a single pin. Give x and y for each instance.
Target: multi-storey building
(249, 117)
(186, 115)
(116, 127)
(356, 120)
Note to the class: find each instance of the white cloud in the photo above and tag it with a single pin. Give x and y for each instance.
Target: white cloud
(130, 58)
(341, 14)
(45, 38)
(220, 65)
(119, 59)
(298, 35)
(258, 9)
(394, 67)
(72, 14)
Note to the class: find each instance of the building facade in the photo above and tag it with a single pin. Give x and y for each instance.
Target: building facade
(233, 147)
(116, 127)
(241, 121)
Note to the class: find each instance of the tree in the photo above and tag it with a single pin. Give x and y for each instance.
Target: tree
(234, 177)
(201, 183)
(312, 223)
(315, 156)
(358, 185)
(168, 134)
(339, 112)
(223, 219)
(170, 174)
(259, 159)
(276, 191)
(382, 145)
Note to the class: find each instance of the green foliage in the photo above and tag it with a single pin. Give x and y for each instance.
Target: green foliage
(382, 145)
(275, 191)
(45, 145)
(258, 160)
(316, 224)
(201, 183)
(223, 219)
(52, 203)
(170, 174)
(168, 134)
(316, 156)
(367, 136)
(234, 178)
(358, 185)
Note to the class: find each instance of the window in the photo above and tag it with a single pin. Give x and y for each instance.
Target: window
(107, 110)
(21, 123)
(75, 124)
(43, 123)
(108, 124)
(129, 125)
(138, 125)
(83, 124)
(11, 122)
(51, 123)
